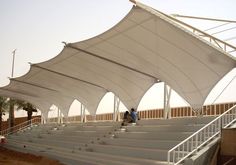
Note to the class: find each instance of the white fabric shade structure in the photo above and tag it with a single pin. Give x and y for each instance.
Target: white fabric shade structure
(144, 48)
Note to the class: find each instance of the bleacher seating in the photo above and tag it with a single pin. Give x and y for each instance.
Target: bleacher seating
(99, 143)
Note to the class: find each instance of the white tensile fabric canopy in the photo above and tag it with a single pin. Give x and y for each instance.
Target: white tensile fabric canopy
(144, 48)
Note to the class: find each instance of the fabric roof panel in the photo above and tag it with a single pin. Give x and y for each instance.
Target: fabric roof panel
(172, 54)
(106, 74)
(127, 60)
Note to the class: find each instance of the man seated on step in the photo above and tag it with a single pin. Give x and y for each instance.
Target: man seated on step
(126, 119)
(134, 115)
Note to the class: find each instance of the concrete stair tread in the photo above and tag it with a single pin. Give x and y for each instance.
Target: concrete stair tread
(124, 147)
(116, 160)
(162, 144)
(99, 143)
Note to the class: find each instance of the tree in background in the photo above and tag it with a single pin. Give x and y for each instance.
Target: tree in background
(11, 103)
(3, 108)
(30, 108)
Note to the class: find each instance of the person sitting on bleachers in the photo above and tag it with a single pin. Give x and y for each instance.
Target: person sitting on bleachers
(126, 119)
(133, 115)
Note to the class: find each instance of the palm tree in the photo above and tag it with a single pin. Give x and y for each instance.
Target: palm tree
(11, 103)
(3, 108)
(30, 108)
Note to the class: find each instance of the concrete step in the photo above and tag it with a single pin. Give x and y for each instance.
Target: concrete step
(66, 157)
(153, 154)
(68, 133)
(151, 128)
(152, 135)
(86, 127)
(105, 123)
(140, 143)
(80, 157)
(71, 138)
(59, 143)
(81, 131)
(176, 121)
(97, 143)
(103, 127)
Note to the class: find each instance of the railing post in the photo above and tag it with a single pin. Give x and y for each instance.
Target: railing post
(168, 157)
(177, 155)
(214, 110)
(196, 144)
(220, 127)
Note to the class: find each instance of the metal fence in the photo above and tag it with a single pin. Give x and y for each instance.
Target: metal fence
(191, 144)
(20, 126)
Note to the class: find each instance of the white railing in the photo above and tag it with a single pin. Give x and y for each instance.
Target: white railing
(191, 145)
(20, 126)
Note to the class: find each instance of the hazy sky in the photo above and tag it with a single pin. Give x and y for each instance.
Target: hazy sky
(37, 28)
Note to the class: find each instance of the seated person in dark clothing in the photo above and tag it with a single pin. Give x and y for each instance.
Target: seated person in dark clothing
(127, 118)
(126, 114)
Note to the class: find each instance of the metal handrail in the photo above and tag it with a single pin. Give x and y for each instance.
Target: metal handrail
(191, 144)
(20, 126)
(226, 47)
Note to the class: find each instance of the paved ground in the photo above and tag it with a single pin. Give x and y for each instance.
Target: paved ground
(9, 157)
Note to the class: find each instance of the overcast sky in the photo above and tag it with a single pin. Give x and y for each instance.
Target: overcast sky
(37, 28)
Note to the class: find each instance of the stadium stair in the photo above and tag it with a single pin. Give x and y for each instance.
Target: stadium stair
(109, 143)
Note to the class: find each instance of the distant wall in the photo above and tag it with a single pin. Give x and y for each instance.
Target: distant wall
(143, 114)
(214, 109)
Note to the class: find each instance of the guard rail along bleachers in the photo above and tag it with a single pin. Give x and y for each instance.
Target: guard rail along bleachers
(20, 126)
(194, 142)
